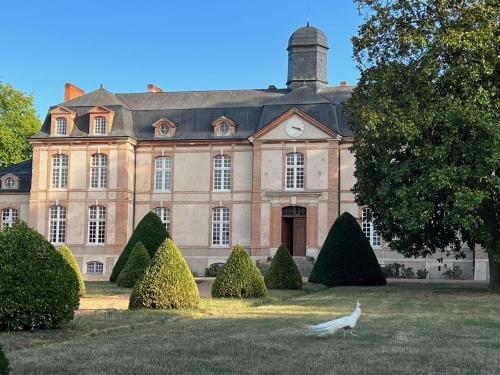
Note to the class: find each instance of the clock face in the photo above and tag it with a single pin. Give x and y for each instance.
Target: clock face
(294, 127)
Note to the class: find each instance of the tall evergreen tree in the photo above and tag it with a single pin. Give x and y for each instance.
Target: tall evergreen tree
(283, 273)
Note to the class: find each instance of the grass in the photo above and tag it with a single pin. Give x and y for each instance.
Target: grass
(405, 328)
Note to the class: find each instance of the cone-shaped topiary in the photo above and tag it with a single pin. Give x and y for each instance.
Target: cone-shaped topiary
(68, 255)
(347, 257)
(283, 273)
(136, 265)
(151, 232)
(4, 364)
(167, 283)
(38, 288)
(239, 278)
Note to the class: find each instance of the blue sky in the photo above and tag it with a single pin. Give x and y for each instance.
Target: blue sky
(177, 45)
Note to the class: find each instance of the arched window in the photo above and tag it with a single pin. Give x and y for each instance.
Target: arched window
(60, 171)
(220, 226)
(368, 227)
(163, 173)
(97, 224)
(95, 267)
(9, 215)
(164, 214)
(10, 183)
(100, 125)
(61, 126)
(163, 129)
(57, 224)
(99, 172)
(295, 171)
(222, 173)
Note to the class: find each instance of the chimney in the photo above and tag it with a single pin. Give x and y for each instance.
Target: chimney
(343, 84)
(72, 91)
(154, 88)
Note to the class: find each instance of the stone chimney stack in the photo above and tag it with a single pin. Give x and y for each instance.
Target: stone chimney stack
(154, 88)
(72, 91)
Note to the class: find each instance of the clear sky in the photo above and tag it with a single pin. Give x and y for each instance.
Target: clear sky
(177, 45)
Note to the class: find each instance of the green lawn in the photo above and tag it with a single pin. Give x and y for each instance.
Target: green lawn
(405, 328)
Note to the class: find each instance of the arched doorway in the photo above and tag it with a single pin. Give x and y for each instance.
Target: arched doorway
(293, 229)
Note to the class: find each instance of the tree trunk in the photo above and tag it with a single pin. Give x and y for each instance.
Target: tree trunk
(494, 274)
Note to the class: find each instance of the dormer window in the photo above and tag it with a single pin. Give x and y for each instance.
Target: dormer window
(224, 127)
(10, 183)
(62, 120)
(164, 128)
(101, 120)
(99, 125)
(61, 126)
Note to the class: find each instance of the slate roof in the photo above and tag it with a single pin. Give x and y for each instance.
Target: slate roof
(194, 112)
(21, 170)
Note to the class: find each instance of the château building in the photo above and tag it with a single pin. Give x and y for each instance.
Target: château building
(256, 167)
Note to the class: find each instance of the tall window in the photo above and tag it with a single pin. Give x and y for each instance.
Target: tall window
(95, 267)
(57, 224)
(97, 224)
(220, 226)
(99, 173)
(60, 171)
(61, 126)
(100, 125)
(295, 170)
(369, 229)
(163, 173)
(164, 214)
(10, 183)
(222, 173)
(9, 215)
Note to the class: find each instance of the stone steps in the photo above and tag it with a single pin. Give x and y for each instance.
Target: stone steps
(305, 265)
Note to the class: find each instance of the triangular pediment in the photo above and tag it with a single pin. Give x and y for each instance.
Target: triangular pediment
(164, 120)
(62, 110)
(295, 124)
(100, 109)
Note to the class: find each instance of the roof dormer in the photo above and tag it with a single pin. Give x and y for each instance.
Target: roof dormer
(101, 120)
(9, 182)
(224, 127)
(62, 120)
(164, 128)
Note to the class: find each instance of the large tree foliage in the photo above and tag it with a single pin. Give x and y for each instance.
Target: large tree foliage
(18, 121)
(426, 115)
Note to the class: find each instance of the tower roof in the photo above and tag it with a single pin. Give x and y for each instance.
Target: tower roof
(307, 36)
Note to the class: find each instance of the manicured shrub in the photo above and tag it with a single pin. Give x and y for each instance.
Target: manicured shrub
(346, 257)
(167, 283)
(239, 278)
(283, 273)
(422, 273)
(151, 232)
(69, 257)
(4, 364)
(136, 265)
(38, 288)
(214, 269)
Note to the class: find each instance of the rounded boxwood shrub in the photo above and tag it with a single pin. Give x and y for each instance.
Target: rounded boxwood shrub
(167, 283)
(283, 273)
(68, 255)
(347, 257)
(151, 232)
(239, 278)
(136, 265)
(4, 364)
(38, 288)
(214, 269)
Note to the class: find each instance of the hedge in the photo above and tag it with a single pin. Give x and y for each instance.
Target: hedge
(69, 257)
(136, 265)
(167, 283)
(283, 273)
(4, 363)
(151, 232)
(347, 257)
(38, 288)
(239, 278)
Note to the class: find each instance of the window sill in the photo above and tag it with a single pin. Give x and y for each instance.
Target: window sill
(221, 191)
(96, 244)
(220, 247)
(163, 191)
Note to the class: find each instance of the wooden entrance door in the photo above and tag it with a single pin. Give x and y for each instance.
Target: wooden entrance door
(293, 229)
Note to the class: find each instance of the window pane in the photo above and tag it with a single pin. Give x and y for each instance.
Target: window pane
(222, 173)
(220, 226)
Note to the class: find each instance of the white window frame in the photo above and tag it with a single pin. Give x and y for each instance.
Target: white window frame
(164, 215)
(9, 215)
(97, 225)
(295, 171)
(100, 125)
(163, 174)
(61, 126)
(60, 171)
(10, 183)
(220, 227)
(95, 267)
(57, 224)
(222, 173)
(99, 171)
(369, 228)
